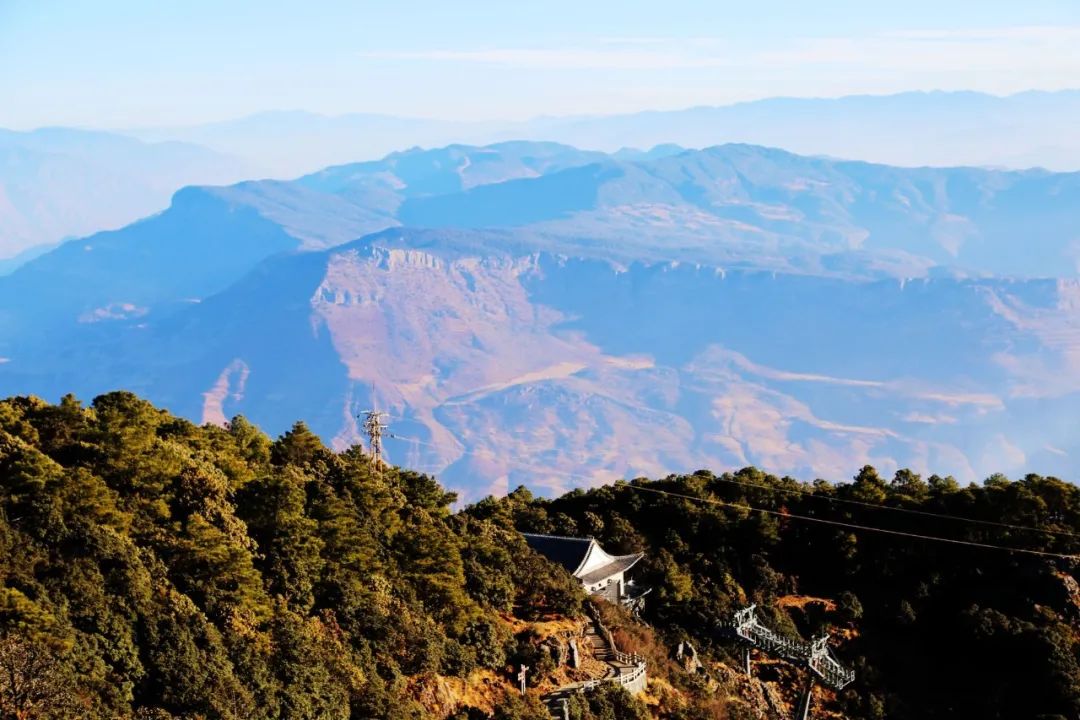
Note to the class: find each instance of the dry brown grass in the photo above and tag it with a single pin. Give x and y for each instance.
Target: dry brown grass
(440, 696)
(545, 628)
(801, 601)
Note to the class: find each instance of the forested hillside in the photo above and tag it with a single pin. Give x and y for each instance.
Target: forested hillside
(934, 629)
(153, 568)
(165, 570)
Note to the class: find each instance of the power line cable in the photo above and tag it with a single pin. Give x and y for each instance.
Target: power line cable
(910, 511)
(853, 526)
(800, 517)
(802, 491)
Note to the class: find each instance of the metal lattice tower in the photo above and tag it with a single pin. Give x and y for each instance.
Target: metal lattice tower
(373, 427)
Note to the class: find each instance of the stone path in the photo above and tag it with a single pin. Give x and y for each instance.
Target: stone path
(601, 650)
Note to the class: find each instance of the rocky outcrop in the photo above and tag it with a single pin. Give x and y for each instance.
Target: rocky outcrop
(761, 699)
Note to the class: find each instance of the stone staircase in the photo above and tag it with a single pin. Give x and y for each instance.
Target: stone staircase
(624, 669)
(599, 646)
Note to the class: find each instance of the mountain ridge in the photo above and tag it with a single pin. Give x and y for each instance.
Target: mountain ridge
(57, 183)
(731, 306)
(956, 127)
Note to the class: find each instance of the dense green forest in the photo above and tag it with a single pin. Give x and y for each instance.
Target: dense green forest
(935, 630)
(152, 568)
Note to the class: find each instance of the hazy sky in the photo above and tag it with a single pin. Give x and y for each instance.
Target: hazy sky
(131, 63)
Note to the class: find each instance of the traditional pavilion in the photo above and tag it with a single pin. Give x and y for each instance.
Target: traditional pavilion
(600, 573)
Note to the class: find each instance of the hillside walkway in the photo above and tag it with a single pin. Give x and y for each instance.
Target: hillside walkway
(622, 668)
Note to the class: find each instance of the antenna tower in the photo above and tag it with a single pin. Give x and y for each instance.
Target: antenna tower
(373, 427)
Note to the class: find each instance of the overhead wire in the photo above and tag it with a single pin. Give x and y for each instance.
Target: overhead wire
(801, 491)
(893, 508)
(852, 526)
(778, 513)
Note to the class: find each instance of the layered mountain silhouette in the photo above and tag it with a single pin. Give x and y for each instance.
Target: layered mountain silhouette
(530, 312)
(908, 129)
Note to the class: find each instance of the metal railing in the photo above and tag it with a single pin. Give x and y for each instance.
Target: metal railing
(815, 654)
(637, 671)
(638, 664)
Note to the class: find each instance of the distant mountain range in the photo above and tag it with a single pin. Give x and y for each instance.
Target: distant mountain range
(57, 183)
(531, 312)
(1031, 129)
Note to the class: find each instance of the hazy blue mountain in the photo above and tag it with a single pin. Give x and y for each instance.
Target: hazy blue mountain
(752, 206)
(443, 171)
(1031, 129)
(531, 312)
(58, 182)
(290, 143)
(198, 247)
(209, 237)
(501, 366)
(732, 206)
(658, 151)
(13, 263)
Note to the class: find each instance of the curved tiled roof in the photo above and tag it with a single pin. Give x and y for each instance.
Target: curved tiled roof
(619, 563)
(569, 552)
(582, 557)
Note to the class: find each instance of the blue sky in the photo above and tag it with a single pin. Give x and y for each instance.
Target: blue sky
(132, 63)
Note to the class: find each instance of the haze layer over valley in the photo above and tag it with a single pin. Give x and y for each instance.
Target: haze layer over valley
(57, 183)
(1030, 129)
(531, 312)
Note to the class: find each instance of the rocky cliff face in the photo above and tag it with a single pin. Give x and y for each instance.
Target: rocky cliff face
(548, 355)
(502, 368)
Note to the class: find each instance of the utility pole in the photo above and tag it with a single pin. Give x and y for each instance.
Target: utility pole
(806, 699)
(373, 427)
(521, 677)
